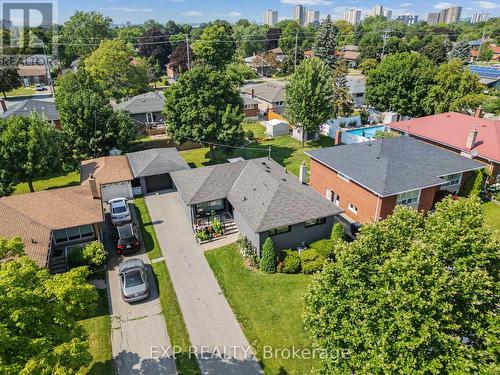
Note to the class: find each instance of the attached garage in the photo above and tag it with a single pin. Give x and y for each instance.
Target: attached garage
(152, 168)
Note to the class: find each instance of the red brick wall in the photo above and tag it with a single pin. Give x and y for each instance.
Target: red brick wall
(253, 112)
(427, 197)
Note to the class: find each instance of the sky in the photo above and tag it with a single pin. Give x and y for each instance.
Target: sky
(197, 11)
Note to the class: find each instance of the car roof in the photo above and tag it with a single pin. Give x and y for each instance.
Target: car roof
(115, 200)
(126, 230)
(129, 264)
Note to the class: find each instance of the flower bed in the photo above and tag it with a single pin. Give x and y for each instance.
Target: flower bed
(206, 233)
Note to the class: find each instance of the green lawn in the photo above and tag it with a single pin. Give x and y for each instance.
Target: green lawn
(98, 327)
(148, 233)
(258, 130)
(21, 91)
(492, 216)
(284, 149)
(268, 307)
(177, 331)
(50, 182)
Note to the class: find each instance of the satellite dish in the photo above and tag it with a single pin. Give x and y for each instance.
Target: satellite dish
(474, 153)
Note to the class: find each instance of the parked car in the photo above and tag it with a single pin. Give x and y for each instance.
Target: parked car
(120, 213)
(127, 241)
(39, 87)
(133, 280)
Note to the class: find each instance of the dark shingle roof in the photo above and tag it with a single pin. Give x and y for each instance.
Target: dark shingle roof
(26, 107)
(149, 102)
(156, 161)
(260, 190)
(394, 165)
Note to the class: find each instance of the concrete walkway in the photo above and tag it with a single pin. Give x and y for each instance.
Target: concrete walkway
(215, 334)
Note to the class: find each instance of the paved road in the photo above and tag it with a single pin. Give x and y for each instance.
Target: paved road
(210, 321)
(138, 330)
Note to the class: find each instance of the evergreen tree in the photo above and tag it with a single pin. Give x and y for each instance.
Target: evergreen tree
(325, 43)
(342, 100)
(461, 51)
(268, 259)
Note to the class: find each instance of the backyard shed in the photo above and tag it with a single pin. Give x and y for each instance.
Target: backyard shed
(276, 127)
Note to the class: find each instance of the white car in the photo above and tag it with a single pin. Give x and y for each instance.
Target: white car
(39, 87)
(120, 212)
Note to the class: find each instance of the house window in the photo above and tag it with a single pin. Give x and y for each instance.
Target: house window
(312, 223)
(352, 208)
(150, 118)
(203, 209)
(408, 198)
(280, 230)
(452, 179)
(343, 176)
(329, 194)
(73, 234)
(278, 104)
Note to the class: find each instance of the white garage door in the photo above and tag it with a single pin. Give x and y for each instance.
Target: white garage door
(116, 190)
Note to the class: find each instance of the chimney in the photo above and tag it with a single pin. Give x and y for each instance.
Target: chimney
(253, 94)
(471, 138)
(479, 112)
(93, 187)
(338, 137)
(303, 173)
(4, 106)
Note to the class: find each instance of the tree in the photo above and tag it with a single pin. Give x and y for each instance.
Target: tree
(485, 52)
(342, 100)
(155, 44)
(412, 294)
(338, 232)
(452, 83)
(272, 36)
(367, 65)
(90, 125)
(400, 83)
(268, 260)
(251, 39)
(325, 43)
(179, 56)
(239, 73)
(204, 105)
(10, 248)
(437, 49)
(311, 80)
(32, 146)
(83, 32)
(115, 68)
(461, 51)
(216, 46)
(469, 103)
(371, 45)
(39, 316)
(9, 79)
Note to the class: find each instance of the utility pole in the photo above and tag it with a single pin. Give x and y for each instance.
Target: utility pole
(187, 51)
(480, 44)
(296, 45)
(384, 37)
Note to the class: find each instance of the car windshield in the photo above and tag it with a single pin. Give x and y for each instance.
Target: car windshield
(133, 278)
(119, 209)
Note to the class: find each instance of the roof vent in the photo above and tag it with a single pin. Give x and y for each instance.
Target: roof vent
(283, 179)
(263, 163)
(378, 157)
(268, 171)
(369, 144)
(244, 198)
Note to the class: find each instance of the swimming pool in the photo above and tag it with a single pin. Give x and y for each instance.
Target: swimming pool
(368, 132)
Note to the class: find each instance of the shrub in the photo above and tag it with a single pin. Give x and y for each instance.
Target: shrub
(364, 115)
(247, 251)
(95, 254)
(249, 135)
(202, 235)
(268, 259)
(473, 185)
(324, 248)
(338, 232)
(216, 226)
(291, 263)
(311, 261)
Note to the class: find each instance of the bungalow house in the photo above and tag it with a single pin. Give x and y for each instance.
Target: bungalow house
(32, 74)
(112, 176)
(151, 169)
(261, 198)
(270, 95)
(470, 136)
(48, 221)
(357, 88)
(350, 54)
(146, 109)
(367, 180)
(28, 106)
(250, 107)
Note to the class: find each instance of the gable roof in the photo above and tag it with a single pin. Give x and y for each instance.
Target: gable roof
(145, 103)
(106, 170)
(395, 165)
(31, 70)
(34, 216)
(248, 100)
(156, 161)
(269, 91)
(259, 189)
(451, 129)
(356, 84)
(26, 107)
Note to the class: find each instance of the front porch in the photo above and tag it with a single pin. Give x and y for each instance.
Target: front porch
(213, 220)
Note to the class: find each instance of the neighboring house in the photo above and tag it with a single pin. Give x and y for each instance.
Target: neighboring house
(367, 180)
(474, 53)
(145, 109)
(260, 64)
(488, 75)
(251, 107)
(270, 95)
(350, 54)
(112, 176)
(32, 74)
(263, 199)
(471, 136)
(357, 88)
(151, 169)
(28, 106)
(48, 221)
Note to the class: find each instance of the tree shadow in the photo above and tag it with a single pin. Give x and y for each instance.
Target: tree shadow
(102, 368)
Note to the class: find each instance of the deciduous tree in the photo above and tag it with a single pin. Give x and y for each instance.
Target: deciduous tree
(461, 51)
(9, 80)
(309, 96)
(342, 100)
(216, 46)
(155, 44)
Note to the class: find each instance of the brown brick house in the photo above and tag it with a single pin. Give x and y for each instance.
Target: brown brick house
(251, 107)
(367, 180)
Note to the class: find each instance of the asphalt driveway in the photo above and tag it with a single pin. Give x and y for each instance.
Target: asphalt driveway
(138, 329)
(215, 334)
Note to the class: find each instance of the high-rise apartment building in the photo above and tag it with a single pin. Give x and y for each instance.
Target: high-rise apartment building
(312, 17)
(299, 14)
(377, 10)
(408, 19)
(353, 16)
(479, 17)
(448, 15)
(388, 14)
(271, 17)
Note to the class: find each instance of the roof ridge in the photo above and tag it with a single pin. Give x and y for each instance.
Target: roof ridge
(24, 215)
